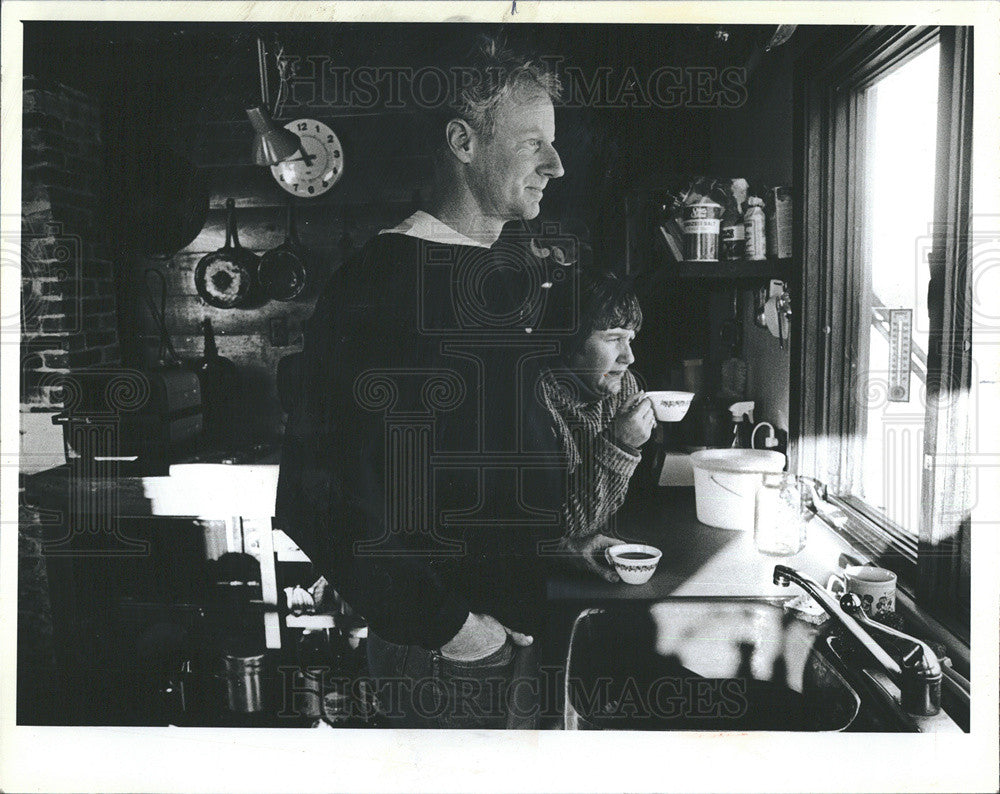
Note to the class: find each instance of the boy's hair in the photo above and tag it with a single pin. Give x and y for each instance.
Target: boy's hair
(606, 301)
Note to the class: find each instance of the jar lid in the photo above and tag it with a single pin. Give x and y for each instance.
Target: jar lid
(739, 460)
(755, 201)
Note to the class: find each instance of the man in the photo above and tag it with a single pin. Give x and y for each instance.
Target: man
(602, 417)
(405, 471)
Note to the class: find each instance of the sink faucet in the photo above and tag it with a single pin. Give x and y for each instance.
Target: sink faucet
(918, 676)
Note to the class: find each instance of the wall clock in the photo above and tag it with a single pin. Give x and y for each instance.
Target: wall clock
(318, 165)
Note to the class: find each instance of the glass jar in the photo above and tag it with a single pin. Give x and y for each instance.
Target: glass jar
(781, 514)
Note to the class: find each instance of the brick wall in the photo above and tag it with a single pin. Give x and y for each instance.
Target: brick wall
(67, 281)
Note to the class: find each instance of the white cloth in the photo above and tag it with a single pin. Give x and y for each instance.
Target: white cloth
(426, 227)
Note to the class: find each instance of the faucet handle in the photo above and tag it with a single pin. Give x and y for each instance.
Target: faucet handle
(920, 681)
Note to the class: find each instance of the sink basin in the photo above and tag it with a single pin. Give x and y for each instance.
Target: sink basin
(713, 664)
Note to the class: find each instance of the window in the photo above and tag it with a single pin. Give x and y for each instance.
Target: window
(899, 194)
(882, 364)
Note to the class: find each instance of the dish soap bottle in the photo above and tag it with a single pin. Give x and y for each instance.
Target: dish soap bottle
(733, 230)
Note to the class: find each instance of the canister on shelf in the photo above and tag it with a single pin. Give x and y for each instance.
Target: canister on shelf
(701, 230)
(754, 225)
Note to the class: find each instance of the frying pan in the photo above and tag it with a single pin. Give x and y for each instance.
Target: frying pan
(282, 271)
(225, 279)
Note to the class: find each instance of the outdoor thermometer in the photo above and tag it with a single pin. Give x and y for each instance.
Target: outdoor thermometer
(317, 166)
(900, 330)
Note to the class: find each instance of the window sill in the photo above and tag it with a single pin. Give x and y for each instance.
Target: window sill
(874, 549)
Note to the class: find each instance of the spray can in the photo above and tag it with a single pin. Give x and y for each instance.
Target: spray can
(754, 223)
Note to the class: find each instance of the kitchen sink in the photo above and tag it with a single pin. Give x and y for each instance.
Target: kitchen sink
(709, 664)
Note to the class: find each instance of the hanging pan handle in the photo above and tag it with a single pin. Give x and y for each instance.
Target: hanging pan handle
(291, 229)
(232, 236)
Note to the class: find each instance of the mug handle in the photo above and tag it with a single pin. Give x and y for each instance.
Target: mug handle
(607, 556)
(836, 579)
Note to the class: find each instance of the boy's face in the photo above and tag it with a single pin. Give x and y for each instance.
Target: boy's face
(603, 358)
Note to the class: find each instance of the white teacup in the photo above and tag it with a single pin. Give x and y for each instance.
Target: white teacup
(876, 587)
(670, 406)
(634, 562)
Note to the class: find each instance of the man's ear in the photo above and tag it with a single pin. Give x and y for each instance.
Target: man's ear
(461, 139)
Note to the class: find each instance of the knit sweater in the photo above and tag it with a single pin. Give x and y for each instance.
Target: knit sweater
(599, 467)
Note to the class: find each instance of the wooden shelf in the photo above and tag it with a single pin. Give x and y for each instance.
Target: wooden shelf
(734, 270)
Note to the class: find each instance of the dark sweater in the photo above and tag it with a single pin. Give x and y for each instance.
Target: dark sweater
(420, 471)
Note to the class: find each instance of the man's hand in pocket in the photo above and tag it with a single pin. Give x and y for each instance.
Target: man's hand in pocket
(480, 636)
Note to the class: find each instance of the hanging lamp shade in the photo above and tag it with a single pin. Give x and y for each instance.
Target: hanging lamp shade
(272, 143)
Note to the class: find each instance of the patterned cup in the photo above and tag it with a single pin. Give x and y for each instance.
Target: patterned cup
(670, 406)
(634, 562)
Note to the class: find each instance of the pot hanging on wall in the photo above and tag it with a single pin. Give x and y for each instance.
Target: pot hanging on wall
(282, 271)
(226, 278)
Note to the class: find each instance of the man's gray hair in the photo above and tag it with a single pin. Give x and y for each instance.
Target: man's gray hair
(491, 74)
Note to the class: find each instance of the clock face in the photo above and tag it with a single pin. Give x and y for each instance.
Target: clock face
(316, 171)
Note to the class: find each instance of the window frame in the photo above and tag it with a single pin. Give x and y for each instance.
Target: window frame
(829, 175)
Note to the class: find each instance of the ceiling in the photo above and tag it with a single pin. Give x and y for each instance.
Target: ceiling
(207, 72)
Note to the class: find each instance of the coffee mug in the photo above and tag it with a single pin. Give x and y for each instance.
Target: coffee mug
(634, 562)
(876, 587)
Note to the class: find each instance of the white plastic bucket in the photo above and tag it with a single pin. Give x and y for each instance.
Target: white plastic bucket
(726, 483)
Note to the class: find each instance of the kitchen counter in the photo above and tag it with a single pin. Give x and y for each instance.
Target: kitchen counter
(200, 487)
(698, 560)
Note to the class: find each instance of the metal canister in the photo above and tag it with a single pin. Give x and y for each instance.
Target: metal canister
(244, 689)
(701, 231)
(754, 225)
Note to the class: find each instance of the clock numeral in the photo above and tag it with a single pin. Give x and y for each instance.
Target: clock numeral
(326, 184)
(302, 126)
(329, 138)
(336, 152)
(295, 186)
(312, 189)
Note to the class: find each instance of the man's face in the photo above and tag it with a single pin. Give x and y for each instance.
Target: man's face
(510, 169)
(602, 360)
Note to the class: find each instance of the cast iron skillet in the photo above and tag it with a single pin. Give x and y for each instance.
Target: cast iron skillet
(282, 271)
(225, 279)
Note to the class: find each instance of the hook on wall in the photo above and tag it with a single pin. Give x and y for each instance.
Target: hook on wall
(773, 310)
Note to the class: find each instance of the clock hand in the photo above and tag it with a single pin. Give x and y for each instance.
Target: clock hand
(306, 157)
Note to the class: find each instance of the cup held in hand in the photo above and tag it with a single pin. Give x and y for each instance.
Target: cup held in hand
(670, 406)
(635, 563)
